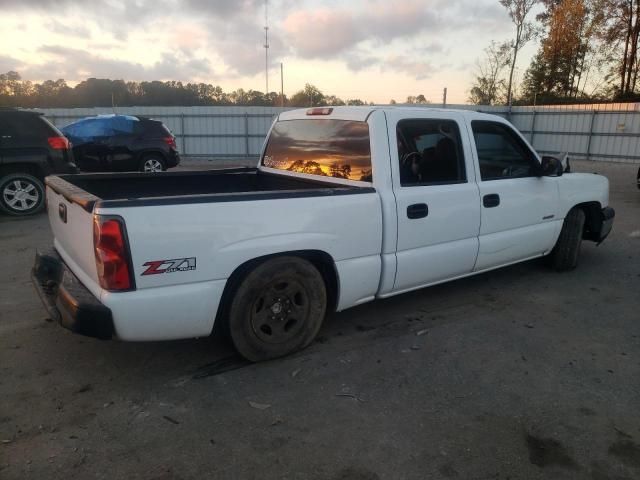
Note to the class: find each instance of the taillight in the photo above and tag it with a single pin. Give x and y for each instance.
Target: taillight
(171, 141)
(112, 256)
(59, 143)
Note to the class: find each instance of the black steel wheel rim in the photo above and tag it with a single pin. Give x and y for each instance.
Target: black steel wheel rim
(280, 311)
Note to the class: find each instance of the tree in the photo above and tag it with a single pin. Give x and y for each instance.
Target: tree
(333, 100)
(299, 99)
(104, 92)
(489, 86)
(313, 93)
(568, 50)
(518, 11)
(309, 97)
(418, 99)
(622, 34)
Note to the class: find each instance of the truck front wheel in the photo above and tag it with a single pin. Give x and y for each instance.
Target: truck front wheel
(564, 255)
(278, 309)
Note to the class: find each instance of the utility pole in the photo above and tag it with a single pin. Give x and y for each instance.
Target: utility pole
(281, 85)
(444, 98)
(266, 46)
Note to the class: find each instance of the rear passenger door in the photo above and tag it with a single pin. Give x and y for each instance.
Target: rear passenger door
(519, 208)
(437, 199)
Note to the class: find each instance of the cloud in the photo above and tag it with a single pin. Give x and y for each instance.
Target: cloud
(65, 29)
(8, 64)
(184, 39)
(75, 64)
(225, 8)
(417, 69)
(325, 33)
(322, 33)
(357, 61)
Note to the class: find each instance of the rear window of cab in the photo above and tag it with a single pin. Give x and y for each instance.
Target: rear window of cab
(322, 147)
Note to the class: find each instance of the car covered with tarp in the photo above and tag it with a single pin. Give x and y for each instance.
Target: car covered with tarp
(122, 143)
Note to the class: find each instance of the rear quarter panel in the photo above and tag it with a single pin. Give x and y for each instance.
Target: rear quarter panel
(222, 236)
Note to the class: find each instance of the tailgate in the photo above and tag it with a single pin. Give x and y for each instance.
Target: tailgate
(71, 221)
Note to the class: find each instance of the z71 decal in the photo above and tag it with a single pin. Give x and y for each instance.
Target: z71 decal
(156, 267)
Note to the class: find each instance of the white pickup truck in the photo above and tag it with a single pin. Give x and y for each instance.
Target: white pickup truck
(347, 205)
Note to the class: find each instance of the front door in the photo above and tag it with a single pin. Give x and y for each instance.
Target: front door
(437, 200)
(519, 208)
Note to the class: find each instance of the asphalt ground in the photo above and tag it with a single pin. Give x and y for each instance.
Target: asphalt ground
(521, 373)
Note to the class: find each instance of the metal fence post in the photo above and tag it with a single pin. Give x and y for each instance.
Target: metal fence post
(184, 140)
(246, 133)
(533, 127)
(593, 118)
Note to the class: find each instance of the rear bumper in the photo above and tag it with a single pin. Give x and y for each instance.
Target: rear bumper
(67, 300)
(174, 160)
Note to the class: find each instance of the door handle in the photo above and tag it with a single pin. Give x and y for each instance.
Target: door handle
(490, 201)
(417, 210)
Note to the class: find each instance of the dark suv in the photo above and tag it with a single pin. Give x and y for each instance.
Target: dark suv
(30, 149)
(122, 143)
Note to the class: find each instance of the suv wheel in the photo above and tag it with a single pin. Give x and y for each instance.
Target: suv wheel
(21, 194)
(152, 163)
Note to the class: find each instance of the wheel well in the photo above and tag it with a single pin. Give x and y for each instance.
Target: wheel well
(319, 259)
(30, 168)
(146, 153)
(593, 219)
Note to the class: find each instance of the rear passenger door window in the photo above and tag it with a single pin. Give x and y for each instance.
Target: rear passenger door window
(437, 208)
(430, 152)
(501, 152)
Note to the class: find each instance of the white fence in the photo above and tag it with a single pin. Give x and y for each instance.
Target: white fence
(594, 132)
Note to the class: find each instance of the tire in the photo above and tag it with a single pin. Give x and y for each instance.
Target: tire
(152, 162)
(278, 309)
(564, 256)
(21, 194)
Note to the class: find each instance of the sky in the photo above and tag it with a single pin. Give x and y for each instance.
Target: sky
(368, 49)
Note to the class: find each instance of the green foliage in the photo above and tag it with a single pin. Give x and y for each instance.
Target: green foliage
(418, 100)
(98, 92)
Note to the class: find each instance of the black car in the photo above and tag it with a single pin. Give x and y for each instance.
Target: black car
(122, 143)
(30, 149)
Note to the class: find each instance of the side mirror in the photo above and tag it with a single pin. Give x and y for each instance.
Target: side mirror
(551, 167)
(566, 165)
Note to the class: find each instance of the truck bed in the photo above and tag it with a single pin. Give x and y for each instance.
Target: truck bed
(137, 189)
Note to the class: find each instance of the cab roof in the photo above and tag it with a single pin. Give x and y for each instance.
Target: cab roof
(362, 113)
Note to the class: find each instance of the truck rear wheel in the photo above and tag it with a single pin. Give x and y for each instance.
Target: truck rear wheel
(564, 255)
(278, 309)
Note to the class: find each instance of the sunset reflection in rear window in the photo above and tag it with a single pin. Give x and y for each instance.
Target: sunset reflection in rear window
(329, 148)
